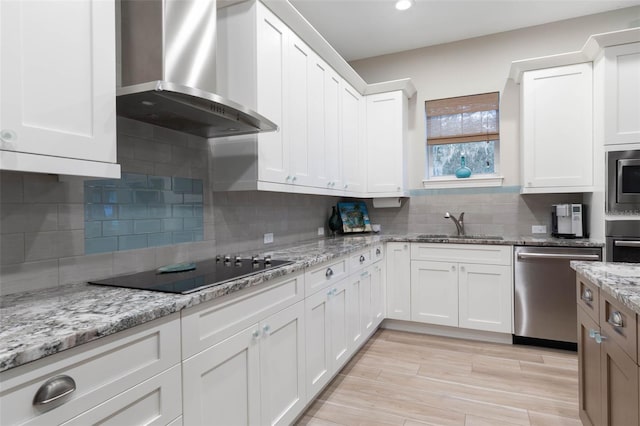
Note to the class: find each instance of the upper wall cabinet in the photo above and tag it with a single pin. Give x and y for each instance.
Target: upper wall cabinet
(557, 129)
(57, 87)
(386, 143)
(622, 95)
(352, 135)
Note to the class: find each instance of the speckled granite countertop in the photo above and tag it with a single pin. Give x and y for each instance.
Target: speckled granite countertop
(37, 324)
(621, 280)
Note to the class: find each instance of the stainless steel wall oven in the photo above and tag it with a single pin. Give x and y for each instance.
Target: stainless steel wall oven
(623, 241)
(623, 181)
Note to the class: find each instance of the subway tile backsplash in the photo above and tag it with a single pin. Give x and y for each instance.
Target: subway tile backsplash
(140, 211)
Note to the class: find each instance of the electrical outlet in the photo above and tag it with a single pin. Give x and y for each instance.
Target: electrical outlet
(268, 238)
(321, 230)
(538, 229)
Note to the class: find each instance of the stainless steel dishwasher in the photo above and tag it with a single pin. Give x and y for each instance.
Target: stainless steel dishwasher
(545, 294)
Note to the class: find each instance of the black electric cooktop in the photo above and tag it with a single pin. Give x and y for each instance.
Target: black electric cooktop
(203, 274)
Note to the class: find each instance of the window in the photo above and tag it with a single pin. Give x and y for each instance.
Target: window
(465, 125)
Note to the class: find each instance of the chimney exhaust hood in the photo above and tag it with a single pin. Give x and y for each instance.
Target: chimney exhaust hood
(168, 70)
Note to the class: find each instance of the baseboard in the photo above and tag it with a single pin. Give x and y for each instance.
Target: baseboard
(440, 330)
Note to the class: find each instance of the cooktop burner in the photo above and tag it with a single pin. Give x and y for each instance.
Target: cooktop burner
(207, 273)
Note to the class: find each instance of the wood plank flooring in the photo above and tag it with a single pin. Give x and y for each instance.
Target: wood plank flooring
(409, 379)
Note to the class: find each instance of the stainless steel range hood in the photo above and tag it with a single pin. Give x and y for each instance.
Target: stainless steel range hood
(168, 70)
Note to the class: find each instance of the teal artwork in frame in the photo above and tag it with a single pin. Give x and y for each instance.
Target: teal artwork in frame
(355, 217)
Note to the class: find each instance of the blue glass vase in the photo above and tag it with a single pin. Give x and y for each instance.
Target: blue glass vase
(463, 171)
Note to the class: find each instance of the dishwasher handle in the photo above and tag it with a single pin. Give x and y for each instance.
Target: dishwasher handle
(558, 256)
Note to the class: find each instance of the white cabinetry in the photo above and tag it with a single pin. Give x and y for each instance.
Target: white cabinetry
(468, 286)
(135, 373)
(57, 87)
(386, 143)
(398, 284)
(353, 149)
(557, 129)
(622, 95)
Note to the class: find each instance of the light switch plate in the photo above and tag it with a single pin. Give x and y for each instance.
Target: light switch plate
(321, 230)
(538, 229)
(268, 238)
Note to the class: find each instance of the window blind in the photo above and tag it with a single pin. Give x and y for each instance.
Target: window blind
(463, 119)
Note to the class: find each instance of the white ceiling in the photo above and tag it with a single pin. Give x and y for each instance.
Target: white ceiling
(364, 28)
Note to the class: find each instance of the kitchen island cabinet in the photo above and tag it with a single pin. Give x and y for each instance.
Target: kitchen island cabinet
(607, 358)
(57, 109)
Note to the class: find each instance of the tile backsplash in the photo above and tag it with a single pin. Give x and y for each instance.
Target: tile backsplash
(140, 211)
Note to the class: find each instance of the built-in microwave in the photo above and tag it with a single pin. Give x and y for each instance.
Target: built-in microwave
(623, 182)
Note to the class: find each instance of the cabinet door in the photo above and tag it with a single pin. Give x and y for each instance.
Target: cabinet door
(318, 155)
(223, 382)
(273, 148)
(398, 283)
(282, 366)
(318, 341)
(622, 94)
(339, 323)
(353, 154)
(385, 142)
(619, 386)
(485, 297)
(557, 128)
(434, 292)
(299, 63)
(333, 138)
(377, 293)
(589, 361)
(366, 307)
(355, 326)
(57, 86)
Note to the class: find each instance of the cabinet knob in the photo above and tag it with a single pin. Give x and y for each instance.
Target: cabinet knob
(329, 273)
(255, 334)
(599, 338)
(378, 252)
(54, 389)
(615, 319)
(399, 189)
(453, 268)
(293, 179)
(362, 258)
(406, 246)
(266, 328)
(462, 269)
(346, 185)
(587, 295)
(7, 135)
(287, 178)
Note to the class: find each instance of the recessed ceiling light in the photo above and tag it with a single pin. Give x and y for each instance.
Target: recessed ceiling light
(404, 4)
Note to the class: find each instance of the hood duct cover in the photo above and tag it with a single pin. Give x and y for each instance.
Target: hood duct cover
(169, 71)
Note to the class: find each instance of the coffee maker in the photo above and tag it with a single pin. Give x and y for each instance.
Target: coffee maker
(568, 221)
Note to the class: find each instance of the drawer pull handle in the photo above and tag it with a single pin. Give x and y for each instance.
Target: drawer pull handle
(587, 295)
(615, 319)
(600, 338)
(362, 258)
(54, 389)
(329, 273)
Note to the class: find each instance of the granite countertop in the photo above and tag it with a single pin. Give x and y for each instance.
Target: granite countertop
(36, 324)
(621, 280)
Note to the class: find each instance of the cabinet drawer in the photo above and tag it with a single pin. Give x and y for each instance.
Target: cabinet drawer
(159, 398)
(619, 324)
(321, 276)
(209, 323)
(101, 369)
(360, 260)
(468, 253)
(377, 253)
(588, 297)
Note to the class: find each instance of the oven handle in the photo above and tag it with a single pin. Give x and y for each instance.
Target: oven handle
(558, 256)
(626, 243)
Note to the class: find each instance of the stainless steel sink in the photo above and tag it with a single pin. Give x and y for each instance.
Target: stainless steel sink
(461, 237)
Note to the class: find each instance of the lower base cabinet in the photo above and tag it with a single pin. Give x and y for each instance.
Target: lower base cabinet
(253, 377)
(609, 389)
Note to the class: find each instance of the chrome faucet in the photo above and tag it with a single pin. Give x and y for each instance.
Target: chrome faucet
(459, 222)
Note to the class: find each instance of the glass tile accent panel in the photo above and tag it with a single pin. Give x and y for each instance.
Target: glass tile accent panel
(139, 211)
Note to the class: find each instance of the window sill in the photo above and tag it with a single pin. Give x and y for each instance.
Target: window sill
(470, 182)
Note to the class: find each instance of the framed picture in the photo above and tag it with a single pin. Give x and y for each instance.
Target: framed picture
(355, 217)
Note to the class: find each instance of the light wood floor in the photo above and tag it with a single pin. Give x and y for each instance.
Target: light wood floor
(410, 379)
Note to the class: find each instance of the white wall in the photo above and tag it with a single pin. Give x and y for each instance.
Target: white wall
(482, 65)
